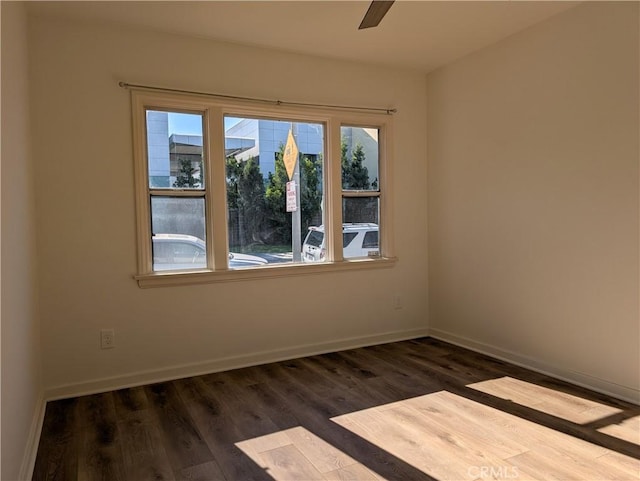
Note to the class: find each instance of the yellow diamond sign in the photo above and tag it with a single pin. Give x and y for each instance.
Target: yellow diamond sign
(290, 155)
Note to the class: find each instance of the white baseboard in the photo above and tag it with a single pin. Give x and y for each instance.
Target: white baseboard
(225, 364)
(603, 386)
(31, 449)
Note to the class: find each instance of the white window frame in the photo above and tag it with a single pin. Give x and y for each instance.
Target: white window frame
(214, 110)
(367, 194)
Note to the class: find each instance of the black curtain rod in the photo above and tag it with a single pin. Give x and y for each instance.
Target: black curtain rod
(126, 85)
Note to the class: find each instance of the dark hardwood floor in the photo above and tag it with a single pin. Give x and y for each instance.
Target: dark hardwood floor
(413, 410)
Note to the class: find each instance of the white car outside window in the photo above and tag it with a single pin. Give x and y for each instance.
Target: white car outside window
(358, 240)
(173, 252)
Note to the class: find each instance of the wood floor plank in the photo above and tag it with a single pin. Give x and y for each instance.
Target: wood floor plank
(215, 421)
(451, 443)
(326, 376)
(522, 434)
(144, 456)
(288, 464)
(99, 451)
(314, 415)
(395, 439)
(355, 472)
(129, 401)
(322, 455)
(629, 430)
(254, 446)
(249, 419)
(202, 472)
(57, 458)
(182, 440)
(553, 467)
(431, 347)
(390, 369)
(367, 393)
(354, 367)
(627, 464)
(475, 427)
(582, 466)
(560, 404)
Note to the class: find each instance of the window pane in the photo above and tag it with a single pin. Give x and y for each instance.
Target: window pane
(258, 171)
(361, 217)
(359, 158)
(174, 147)
(178, 227)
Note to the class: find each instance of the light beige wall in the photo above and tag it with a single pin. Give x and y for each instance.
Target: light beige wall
(533, 197)
(21, 365)
(84, 168)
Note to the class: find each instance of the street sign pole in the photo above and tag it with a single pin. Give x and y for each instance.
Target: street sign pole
(296, 223)
(292, 165)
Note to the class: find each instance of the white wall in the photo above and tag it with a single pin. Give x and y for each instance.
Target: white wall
(84, 168)
(21, 363)
(533, 198)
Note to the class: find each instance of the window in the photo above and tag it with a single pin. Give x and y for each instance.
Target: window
(176, 183)
(225, 189)
(361, 185)
(271, 205)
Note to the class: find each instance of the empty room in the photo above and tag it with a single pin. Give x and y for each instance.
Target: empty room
(320, 240)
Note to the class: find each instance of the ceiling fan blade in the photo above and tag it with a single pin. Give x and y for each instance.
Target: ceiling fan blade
(376, 12)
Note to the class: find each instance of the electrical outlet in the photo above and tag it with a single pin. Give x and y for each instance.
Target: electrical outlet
(107, 339)
(397, 304)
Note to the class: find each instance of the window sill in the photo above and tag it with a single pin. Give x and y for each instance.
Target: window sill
(168, 279)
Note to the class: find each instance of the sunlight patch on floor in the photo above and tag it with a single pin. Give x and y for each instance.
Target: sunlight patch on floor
(546, 400)
(627, 430)
(297, 454)
(450, 437)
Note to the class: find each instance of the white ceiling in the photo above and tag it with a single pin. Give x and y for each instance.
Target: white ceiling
(418, 35)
